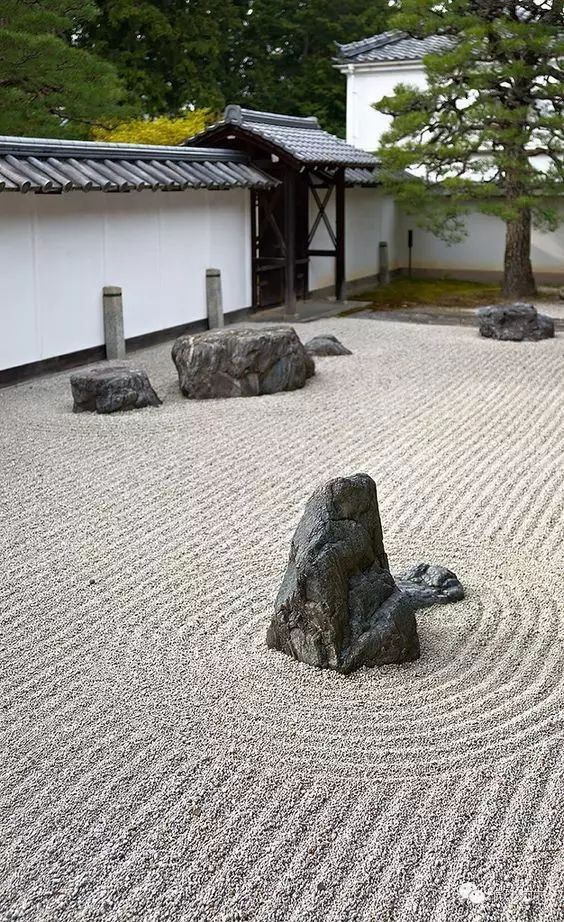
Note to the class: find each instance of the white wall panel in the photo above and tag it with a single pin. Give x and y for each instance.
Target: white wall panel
(481, 251)
(57, 252)
(19, 334)
(365, 126)
(230, 245)
(68, 264)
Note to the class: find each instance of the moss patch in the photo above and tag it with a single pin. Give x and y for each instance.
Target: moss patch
(404, 293)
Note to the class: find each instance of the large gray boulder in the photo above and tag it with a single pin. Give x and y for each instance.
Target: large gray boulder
(338, 606)
(516, 322)
(326, 344)
(241, 362)
(109, 389)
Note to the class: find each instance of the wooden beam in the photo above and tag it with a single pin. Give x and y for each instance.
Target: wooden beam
(290, 237)
(254, 283)
(340, 268)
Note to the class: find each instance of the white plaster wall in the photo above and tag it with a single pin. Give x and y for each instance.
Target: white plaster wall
(481, 251)
(370, 218)
(365, 86)
(58, 252)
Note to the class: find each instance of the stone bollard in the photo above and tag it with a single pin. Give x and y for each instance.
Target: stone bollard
(214, 299)
(383, 264)
(113, 323)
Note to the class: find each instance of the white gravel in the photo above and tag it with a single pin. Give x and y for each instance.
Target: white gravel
(159, 763)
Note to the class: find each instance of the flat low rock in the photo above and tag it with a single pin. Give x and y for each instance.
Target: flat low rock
(428, 584)
(326, 345)
(111, 389)
(338, 606)
(514, 322)
(241, 362)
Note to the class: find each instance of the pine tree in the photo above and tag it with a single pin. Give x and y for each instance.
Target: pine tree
(488, 132)
(47, 85)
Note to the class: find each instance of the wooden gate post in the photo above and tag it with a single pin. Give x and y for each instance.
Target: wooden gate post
(340, 269)
(290, 239)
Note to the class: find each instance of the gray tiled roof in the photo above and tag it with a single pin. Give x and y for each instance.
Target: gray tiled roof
(44, 165)
(361, 177)
(391, 46)
(302, 138)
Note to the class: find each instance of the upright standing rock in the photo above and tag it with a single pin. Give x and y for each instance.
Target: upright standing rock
(338, 606)
(214, 299)
(113, 322)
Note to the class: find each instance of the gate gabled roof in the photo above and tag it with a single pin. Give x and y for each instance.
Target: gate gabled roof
(297, 141)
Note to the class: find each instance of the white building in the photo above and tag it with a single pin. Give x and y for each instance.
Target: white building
(373, 67)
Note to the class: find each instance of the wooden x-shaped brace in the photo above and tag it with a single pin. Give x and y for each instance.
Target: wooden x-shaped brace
(321, 214)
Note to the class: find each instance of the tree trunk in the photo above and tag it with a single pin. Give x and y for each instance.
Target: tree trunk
(518, 278)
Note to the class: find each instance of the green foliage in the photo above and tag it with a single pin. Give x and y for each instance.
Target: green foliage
(162, 130)
(47, 85)
(171, 54)
(492, 114)
(285, 54)
(174, 54)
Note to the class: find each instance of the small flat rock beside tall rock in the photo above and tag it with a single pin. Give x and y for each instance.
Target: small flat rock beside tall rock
(339, 606)
(430, 585)
(326, 344)
(112, 389)
(241, 362)
(514, 322)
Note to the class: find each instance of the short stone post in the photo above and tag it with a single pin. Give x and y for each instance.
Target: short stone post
(113, 323)
(383, 264)
(214, 298)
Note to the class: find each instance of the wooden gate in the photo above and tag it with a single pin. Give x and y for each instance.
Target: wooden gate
(276, 229)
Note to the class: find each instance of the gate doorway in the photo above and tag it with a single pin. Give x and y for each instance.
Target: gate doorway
(273, 233)
(309, 166)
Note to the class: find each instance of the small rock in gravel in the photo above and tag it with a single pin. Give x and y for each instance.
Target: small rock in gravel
(111, 389)
(470, 892)
(326, 345)
(428, 584)
(516, 322)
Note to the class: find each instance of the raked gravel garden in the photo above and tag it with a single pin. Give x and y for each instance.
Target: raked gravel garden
(159, 762)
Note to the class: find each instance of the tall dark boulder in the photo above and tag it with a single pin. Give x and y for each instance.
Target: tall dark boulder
(338, 606)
